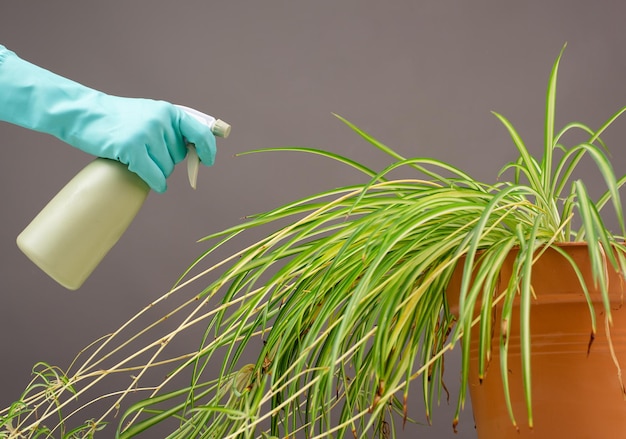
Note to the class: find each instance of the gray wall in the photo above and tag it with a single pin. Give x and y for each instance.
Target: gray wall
(421, 76)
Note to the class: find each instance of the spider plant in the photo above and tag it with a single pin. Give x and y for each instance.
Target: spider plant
(343, 302)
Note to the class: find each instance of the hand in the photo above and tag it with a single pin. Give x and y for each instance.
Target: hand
(149, 136)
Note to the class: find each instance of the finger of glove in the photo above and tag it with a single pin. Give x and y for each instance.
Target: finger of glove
(166, 142)
(201, 136)
(149, 171)
(173, 136)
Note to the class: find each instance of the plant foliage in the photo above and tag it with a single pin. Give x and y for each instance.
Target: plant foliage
(343, 304)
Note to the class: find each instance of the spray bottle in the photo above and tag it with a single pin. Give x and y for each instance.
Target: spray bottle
(78, 227)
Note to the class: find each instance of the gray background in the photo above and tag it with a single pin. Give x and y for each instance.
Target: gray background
(420, 76)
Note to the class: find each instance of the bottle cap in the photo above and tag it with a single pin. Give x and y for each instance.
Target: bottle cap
(220, 128)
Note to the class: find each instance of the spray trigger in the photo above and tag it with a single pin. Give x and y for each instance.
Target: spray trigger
(193, 163)
(218, 127)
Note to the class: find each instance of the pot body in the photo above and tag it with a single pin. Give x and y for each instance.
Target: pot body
(576, 388)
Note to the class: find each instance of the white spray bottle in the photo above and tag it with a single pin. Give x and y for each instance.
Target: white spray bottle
(78, 227)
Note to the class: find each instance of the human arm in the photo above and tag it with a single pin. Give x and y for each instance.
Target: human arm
(149, 136)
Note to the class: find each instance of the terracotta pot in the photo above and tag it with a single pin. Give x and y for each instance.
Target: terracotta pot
(575, 394)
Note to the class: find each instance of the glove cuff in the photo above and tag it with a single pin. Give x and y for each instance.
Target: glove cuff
(38, 99)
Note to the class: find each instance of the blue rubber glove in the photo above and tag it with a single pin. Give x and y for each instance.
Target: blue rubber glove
(149, 136)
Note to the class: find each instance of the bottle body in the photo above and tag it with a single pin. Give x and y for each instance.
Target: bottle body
(77, 228)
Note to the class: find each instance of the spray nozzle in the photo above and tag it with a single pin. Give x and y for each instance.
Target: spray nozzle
(217, 126)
